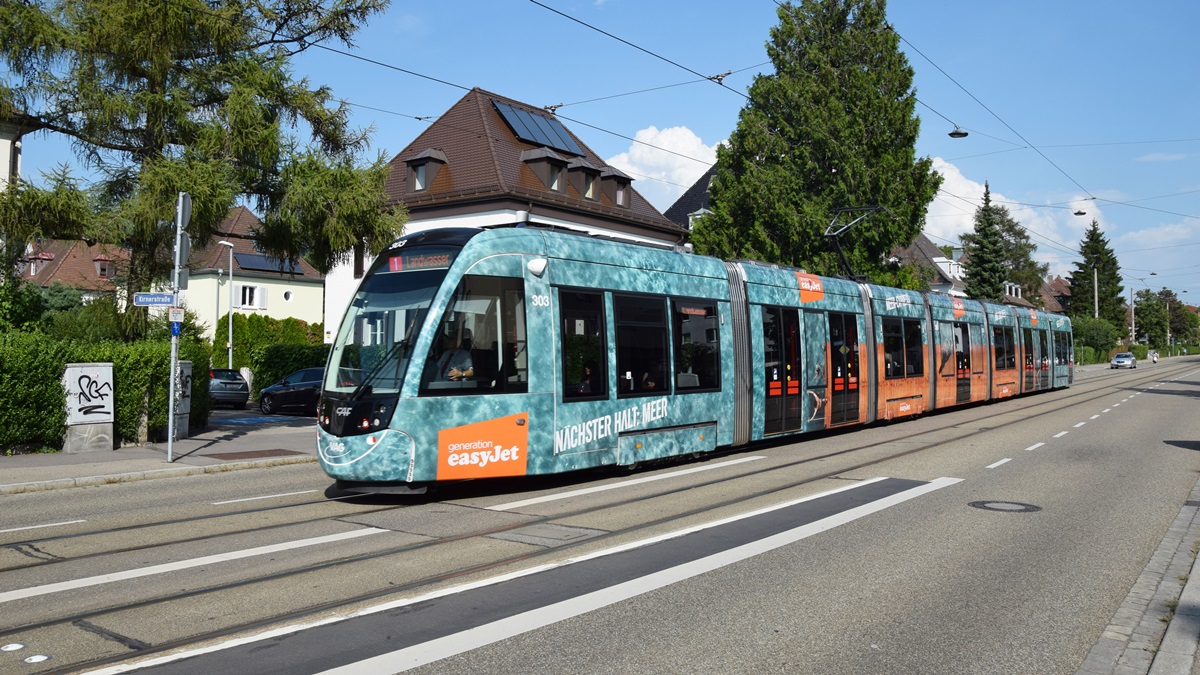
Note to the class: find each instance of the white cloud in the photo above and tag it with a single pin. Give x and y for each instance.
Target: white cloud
(664, 163)
(1053, 228)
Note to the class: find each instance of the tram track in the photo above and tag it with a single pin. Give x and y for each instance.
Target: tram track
(1071, 395)
(416, 585)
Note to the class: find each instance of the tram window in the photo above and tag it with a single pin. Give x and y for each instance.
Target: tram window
(480, 342)
(584, 353)
(642, 364)
(1062, 348)
(902, 347)
(914, 349)
(1005, 346)
(697, 345)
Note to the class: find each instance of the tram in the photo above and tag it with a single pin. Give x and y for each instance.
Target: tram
(511, 351)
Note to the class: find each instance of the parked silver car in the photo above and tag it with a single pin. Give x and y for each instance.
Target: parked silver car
(1123, 360)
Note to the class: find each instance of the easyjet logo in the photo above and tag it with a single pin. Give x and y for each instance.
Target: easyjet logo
(488, 449)
(960, 308)
(811, 288)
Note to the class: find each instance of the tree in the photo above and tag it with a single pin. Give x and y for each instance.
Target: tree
(1097, 255)
(1098, 334)
(1150, 313)
(1017, 251)
(834, 127)
(984, 270)
(168, 96)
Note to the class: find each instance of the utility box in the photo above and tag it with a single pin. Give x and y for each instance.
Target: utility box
(90, 407)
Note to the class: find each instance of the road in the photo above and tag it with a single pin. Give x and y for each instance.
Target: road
(998, 539)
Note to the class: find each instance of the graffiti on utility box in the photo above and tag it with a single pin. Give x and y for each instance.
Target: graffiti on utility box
(89, 388)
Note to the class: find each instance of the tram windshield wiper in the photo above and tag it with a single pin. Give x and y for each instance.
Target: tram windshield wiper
(365, 387)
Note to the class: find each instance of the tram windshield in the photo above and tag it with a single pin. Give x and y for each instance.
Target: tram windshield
(375, 342)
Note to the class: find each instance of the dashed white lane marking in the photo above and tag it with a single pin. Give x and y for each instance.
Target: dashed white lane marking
(1094, 417)
(181, 565)
(36, 527)
(1080, 424)
(251, 499)
(996, 464)
(1106, 410)
(614, 486)
(1061, 434)
(1116, 405)
(1033, 447)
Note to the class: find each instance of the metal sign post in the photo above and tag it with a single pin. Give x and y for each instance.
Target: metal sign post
(183, 213)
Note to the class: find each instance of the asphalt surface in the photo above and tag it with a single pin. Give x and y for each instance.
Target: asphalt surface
(246, 440)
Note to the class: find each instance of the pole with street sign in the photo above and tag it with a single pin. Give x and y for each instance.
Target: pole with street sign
(183, 213)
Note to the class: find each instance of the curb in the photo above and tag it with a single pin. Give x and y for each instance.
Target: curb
(134, 476)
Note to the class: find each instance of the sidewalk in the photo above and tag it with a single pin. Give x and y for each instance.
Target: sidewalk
(232, 441)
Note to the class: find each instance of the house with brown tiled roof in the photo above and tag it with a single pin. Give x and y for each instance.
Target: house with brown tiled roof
(259, 285)
(89, 268)
(1056, 293)
(489, 161)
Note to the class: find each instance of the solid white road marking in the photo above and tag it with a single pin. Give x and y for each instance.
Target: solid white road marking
(251, 499)
(35, 527)
(1035, 446)
(451, 645)
(1003, 461)
(818, 526)
(180, 565)
(614, 486)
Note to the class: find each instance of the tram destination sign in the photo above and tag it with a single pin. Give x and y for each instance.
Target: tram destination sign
(153, 299)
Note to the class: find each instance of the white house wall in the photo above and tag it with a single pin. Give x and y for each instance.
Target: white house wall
(208, 301)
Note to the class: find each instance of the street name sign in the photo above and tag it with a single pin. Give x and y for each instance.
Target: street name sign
(153, 299)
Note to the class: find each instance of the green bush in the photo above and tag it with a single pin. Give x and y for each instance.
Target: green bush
(33, 403)
(275, 362)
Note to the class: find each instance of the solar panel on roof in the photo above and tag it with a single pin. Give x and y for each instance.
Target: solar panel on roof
(261, 263)
(534, 128)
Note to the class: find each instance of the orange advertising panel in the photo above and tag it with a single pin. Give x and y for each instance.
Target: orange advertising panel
(960, 308)
(811, 288)
(1033, 316)
(488, 449)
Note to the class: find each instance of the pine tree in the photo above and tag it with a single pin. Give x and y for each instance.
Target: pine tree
(1018, 249)
(168, 96)
(984, 269)
(1098, 255)
(833, 127)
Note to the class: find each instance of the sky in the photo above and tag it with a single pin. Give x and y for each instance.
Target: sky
(1072, 105)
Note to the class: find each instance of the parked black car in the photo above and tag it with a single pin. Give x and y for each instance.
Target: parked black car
(298, 391)
(229, 387)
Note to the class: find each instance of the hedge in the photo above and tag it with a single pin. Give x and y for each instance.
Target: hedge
(33, 403)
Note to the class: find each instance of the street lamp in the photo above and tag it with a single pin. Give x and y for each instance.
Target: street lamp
(230, 343)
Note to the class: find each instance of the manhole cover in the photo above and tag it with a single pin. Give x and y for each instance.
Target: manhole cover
(1011, 507)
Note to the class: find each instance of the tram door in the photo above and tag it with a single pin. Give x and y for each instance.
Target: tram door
(843, 368)
(1043, 360)
(962, 361)
(784, 403)
(1029, 359)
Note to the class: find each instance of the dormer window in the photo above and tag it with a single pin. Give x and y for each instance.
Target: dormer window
(583, 175)
(548, 166)
(615, 186)
(423, 169)
(105, 269)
